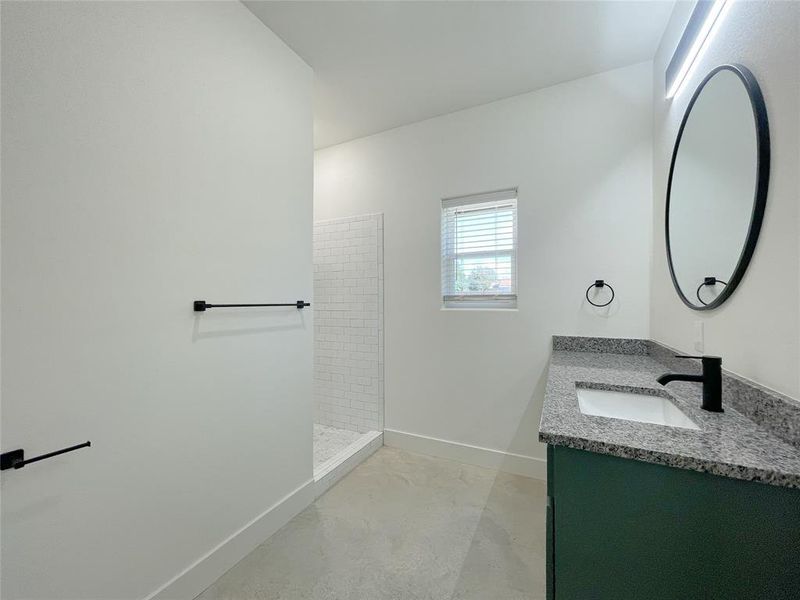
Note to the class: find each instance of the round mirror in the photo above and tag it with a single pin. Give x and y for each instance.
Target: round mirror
(717, 187)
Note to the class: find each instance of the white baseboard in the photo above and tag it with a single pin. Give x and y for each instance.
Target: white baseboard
(509, 462)
(195, 578)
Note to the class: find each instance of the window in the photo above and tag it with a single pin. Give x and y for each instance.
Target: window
(479, 250)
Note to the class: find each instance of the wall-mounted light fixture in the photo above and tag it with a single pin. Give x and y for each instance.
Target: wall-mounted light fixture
(700, 30)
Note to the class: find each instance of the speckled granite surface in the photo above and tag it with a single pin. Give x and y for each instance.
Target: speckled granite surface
(568, 343)
(728, 444)
(776, 412)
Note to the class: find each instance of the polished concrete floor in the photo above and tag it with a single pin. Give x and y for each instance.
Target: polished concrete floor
(404, 526)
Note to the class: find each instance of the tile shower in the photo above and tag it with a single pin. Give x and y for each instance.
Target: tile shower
(348, 341)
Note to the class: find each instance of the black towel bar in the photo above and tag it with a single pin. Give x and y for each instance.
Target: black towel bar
(15, 459)
(202, 305)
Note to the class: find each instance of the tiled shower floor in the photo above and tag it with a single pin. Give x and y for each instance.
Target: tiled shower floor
(329, 441)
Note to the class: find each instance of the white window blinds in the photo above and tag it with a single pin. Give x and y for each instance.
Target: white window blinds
(479, 250)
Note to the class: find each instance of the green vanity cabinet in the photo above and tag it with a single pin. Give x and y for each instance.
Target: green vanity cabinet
(622, 529)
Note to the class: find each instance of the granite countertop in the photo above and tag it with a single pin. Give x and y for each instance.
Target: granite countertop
(727, 444)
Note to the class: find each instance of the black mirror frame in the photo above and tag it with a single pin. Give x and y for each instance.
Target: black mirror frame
(762, 182)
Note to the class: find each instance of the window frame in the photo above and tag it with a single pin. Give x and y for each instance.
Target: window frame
(448, 257)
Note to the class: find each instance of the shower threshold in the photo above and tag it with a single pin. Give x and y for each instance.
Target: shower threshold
(338, 451)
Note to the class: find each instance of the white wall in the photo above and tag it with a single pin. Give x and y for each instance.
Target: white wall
(580, 153)
(153, 154)
(757, 331)
(348, 323)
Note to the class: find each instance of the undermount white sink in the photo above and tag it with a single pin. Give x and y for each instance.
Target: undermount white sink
(632, 406)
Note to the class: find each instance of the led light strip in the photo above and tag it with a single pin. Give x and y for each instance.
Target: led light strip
(702, 40)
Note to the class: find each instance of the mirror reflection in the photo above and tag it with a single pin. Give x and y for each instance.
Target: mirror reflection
(717, 187)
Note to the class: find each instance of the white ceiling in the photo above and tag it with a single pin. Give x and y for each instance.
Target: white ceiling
(379, 65)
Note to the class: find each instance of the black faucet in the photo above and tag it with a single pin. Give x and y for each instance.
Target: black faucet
(711, 380)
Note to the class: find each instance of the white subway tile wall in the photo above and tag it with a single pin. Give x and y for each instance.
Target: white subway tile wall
(348, 323)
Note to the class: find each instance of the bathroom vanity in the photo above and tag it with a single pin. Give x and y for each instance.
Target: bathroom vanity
(672, 502)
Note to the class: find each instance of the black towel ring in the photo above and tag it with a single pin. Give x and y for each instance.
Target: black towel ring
(598, 284)
(707, 281)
